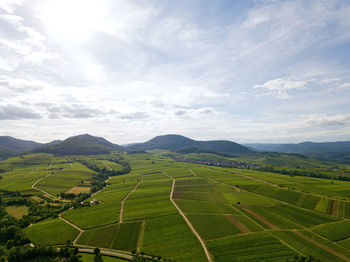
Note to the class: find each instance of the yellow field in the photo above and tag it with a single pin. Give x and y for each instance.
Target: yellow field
(17, 211)
(79, 189)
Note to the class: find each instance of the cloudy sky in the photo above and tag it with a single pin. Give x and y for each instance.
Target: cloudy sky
(245, 70)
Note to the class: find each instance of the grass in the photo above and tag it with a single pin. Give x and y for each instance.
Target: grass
(178, 172)
(137, 209)
(251, 247)
(189, 206)
(334, 231)
(51, 232)
(79, 189)
(66, 178)
(98, 237)
(90, 258)
(127, 236)
(305, 247)
(107, 212)
(170, 237)
(204, 196)
(210, 226)
(17, 211)
(248, 199)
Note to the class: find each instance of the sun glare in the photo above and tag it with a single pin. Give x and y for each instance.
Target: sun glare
(74, 20)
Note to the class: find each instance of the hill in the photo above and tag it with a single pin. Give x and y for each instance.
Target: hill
(80, 145)
(176, 142)
(303, 148)
(14, 145)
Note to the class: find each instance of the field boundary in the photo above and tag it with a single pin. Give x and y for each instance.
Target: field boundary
(324, 247)
(194, 174)
(81, 231)
(36, 182)
(187, 221)
(124, 199)
(140, 240)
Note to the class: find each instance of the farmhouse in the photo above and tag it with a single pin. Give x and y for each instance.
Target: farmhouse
(94, 201)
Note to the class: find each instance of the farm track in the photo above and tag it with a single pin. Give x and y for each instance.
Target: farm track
(106, 165)
(31, 172)
(194, 174)
(286, 188)
(106, 181)
(36, 182)
(324, 247)
(142, 231)
(186, 220)
(81, 231)
(124, 199)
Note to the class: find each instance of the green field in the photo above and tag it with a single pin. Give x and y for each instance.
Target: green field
(167, 235)
(334, 231)
(51, 232)
(127, 236)
(98, 237)
(203, 224)
(241, 215)
(90, 258)
(253, 247)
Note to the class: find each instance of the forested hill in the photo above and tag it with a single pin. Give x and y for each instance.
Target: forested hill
(176, 142)
(303, 148)
(81, 145)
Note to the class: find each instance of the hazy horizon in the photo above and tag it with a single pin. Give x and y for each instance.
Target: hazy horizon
(249, 71)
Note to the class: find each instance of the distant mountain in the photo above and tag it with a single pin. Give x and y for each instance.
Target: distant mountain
(303, 148)
(175, 142)
(14, 145)
(80, 145)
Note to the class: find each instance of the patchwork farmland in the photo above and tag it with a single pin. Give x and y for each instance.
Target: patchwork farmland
(184, 212)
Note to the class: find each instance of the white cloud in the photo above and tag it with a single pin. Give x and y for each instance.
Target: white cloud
(345, 85)
(280, 86)
(10, 5)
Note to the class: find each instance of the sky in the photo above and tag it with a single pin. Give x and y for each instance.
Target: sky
(247, 70)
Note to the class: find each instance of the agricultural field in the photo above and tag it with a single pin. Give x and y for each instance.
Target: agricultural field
(181, 211)
(66, 177)
(46, 232)
(100, 236)
(251, 247)
(17, 211)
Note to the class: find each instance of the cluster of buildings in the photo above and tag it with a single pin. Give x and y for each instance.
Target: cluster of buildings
(228, 163)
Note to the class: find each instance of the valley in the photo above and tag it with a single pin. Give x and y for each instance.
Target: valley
(168, 210)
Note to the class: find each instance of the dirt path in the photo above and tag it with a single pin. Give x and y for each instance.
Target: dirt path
(81, 231)
(106, 181)
(36, 182)
(106, 165)
(186, 220)
(238, 224)
(192, 172)
(269, 224)
(124, 199)
(31, 172)
(324, 247)
(142, 231)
